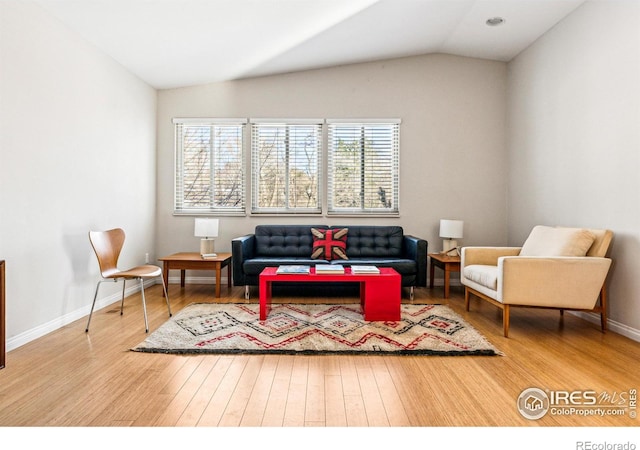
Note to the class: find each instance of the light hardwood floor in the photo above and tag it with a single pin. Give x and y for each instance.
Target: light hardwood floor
(73, 378)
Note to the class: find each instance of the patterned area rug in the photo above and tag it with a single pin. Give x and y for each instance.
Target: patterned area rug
(300, 329)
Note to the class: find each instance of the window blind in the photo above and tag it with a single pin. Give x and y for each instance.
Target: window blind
(363, 166)
(209, 170)
(286, 166)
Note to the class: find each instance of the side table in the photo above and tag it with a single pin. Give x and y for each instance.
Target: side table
(448, 264)
(193, 261)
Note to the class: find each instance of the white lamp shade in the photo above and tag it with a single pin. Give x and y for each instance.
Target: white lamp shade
(206, 228)
(451, 229)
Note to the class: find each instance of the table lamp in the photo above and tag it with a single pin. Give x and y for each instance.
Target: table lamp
(450, 230)
(207, 229)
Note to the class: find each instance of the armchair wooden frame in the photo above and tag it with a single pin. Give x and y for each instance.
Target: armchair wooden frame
(600, 308)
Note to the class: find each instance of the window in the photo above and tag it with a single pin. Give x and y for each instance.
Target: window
(209, 176)
(363, 167)
(286, 166)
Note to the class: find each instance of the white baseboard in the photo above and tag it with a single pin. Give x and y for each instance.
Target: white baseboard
(616, 327)
(198, 280)
(53, 325)
(439, 282)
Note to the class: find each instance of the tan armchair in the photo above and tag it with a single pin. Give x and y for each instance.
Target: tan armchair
(557, 267)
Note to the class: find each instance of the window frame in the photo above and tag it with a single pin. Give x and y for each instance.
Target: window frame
(394, 168)
(179, 207)
(258, 125)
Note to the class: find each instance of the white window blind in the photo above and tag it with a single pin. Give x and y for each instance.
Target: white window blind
(286, 166)
(209, 171)
(363, 166)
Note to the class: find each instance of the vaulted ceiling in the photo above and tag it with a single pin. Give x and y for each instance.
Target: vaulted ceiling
(173, 43)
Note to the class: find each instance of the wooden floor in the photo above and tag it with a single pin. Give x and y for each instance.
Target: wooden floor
(73, 378)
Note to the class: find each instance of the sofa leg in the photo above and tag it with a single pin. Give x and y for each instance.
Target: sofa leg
(246, 292)
(411, 293)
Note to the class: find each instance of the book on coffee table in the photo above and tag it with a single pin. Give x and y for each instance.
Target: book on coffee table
(329, 268)
(293, 269)
(364, 269)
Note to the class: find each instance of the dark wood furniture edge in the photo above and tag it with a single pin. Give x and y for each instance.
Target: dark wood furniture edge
(3, 347)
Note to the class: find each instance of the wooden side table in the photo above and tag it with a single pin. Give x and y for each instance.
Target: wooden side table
(193, 261)
(448, 264)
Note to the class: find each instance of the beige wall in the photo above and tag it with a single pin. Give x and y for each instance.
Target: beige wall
(574, 139)
(77, 152)
(452, 160)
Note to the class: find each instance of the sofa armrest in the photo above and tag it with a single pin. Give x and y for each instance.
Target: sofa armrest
(242, 248)
(416, 249)
(557, 282)
(487, 256)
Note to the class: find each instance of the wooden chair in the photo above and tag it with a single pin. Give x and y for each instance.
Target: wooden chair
(107, 246)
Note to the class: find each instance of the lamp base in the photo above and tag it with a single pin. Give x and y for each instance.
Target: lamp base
(450, 247)
(207, 246)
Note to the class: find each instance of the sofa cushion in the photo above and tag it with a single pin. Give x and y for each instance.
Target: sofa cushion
(554, 241)
(484, 275)
(329, 244)
(371, 241)
(284, 240)
(403, 266)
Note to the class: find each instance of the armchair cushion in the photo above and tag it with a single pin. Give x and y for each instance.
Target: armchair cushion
(557, 241)
(484, 275)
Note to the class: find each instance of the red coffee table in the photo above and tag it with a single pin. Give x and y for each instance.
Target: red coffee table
(379, 293)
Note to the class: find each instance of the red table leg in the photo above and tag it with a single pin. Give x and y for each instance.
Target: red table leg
(265, 298)
(382, 299)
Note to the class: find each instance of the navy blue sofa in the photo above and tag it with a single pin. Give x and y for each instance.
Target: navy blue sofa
(382, 246)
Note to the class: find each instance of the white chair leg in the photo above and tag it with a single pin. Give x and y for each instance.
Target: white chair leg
(96, 296)
(144, 306)
(124, 282)
(93, 305)
(166, 295)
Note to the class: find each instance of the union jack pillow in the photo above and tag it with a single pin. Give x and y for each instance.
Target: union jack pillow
(329, 244)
